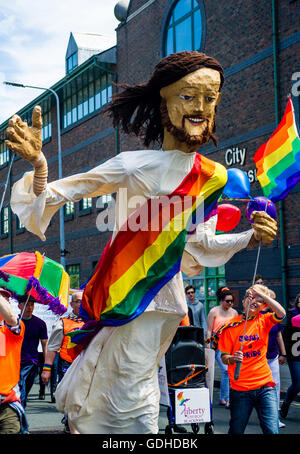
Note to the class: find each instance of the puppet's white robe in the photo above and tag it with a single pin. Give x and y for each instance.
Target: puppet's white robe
(112, 386)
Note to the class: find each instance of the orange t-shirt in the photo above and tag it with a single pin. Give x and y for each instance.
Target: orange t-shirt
(255, 371)
(11, 361)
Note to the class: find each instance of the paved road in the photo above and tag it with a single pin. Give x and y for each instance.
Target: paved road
(45, 419)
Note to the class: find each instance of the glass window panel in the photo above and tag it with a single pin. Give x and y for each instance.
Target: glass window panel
(85, 103)
(97, 94)
(184, 35)
(221, 283)
(97, 101)
(170, 41)
(221, 270)
(103, 96)
(69, 118)
(69, 208)
(4, 220)
(86, 203)
(186, 282)
(109, 93)
(74, 273)
(200, 289)
(197, 30)
(211, 288)
(210, 304)
(211, 271)
(80, 106)
(183, 7)
(74, 108)
(91, 98)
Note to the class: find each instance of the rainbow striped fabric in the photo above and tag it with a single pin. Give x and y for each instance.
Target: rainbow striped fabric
(278, 160)
(137, 264)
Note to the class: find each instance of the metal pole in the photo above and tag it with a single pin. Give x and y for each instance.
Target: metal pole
(281, 205)
(61, 210)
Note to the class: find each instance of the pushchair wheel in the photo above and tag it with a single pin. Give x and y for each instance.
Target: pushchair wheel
(195, 428)
(168, 430)
(209, 428)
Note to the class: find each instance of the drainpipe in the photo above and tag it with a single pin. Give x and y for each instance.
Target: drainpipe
(277, 112)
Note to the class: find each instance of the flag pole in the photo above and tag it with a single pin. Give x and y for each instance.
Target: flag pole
(239, 364)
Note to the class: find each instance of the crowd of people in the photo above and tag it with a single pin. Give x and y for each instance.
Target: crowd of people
(267, 345)
(270, 340)
(21, 362)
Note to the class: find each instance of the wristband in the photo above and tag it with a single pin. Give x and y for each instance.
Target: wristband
(47, 367)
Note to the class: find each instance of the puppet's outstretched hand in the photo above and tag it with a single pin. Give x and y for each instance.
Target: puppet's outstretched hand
(265, 227)
(26, 141)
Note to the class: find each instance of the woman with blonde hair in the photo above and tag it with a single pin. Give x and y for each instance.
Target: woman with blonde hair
(255, 387)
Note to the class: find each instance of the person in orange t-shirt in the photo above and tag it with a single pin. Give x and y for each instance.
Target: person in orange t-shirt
(11, 337)
(255, 387)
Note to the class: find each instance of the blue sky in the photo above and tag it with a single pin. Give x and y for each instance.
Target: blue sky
(34, 35)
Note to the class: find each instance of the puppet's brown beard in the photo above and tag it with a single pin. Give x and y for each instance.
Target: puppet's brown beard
(182, 135)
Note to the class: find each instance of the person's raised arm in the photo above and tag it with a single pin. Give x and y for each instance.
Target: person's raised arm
(26, 141)
(6, 312)
(273, 304)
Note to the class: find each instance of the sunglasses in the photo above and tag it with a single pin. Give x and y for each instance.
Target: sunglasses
(228, 301)
(190, 293)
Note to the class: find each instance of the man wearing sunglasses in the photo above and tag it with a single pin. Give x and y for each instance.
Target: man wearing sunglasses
(196, 309)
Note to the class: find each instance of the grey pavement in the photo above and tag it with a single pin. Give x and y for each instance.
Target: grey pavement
(44, 418)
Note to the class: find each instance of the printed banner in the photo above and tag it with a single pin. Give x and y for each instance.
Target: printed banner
(192, 405)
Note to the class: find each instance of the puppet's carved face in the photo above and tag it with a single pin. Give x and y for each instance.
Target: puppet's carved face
(191, 104)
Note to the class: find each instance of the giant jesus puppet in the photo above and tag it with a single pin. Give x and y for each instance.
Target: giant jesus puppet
(136, 294)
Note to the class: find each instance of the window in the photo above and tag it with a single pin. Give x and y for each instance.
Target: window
(4, 153)
(69, 210)
(46, 113)
(19, 226)
(206, 285)
(86, 205)
(71, 62)
(46, 117)
(4, 221)
(86, 94)
(74, 273)
(184, 30)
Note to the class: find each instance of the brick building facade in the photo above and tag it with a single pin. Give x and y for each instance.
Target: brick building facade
(257, 43)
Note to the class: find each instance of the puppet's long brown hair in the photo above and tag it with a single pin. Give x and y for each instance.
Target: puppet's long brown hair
(137, 108)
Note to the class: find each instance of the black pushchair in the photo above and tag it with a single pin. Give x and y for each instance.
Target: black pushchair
(186, 368)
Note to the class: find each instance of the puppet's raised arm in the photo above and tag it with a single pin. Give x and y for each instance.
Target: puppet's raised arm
(26, 141)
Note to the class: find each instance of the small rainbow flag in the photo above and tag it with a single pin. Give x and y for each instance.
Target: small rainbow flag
(278, 160)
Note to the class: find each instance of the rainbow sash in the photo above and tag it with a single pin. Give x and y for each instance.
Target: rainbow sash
(137, 264)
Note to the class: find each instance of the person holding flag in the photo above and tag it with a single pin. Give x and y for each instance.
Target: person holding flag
(254, 387)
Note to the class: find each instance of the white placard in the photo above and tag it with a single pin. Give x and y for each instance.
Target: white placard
(210, 374)
(42, 311)
(163, 383)
(192, 405)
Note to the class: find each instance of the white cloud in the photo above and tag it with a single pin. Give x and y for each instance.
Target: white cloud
(34, 36)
